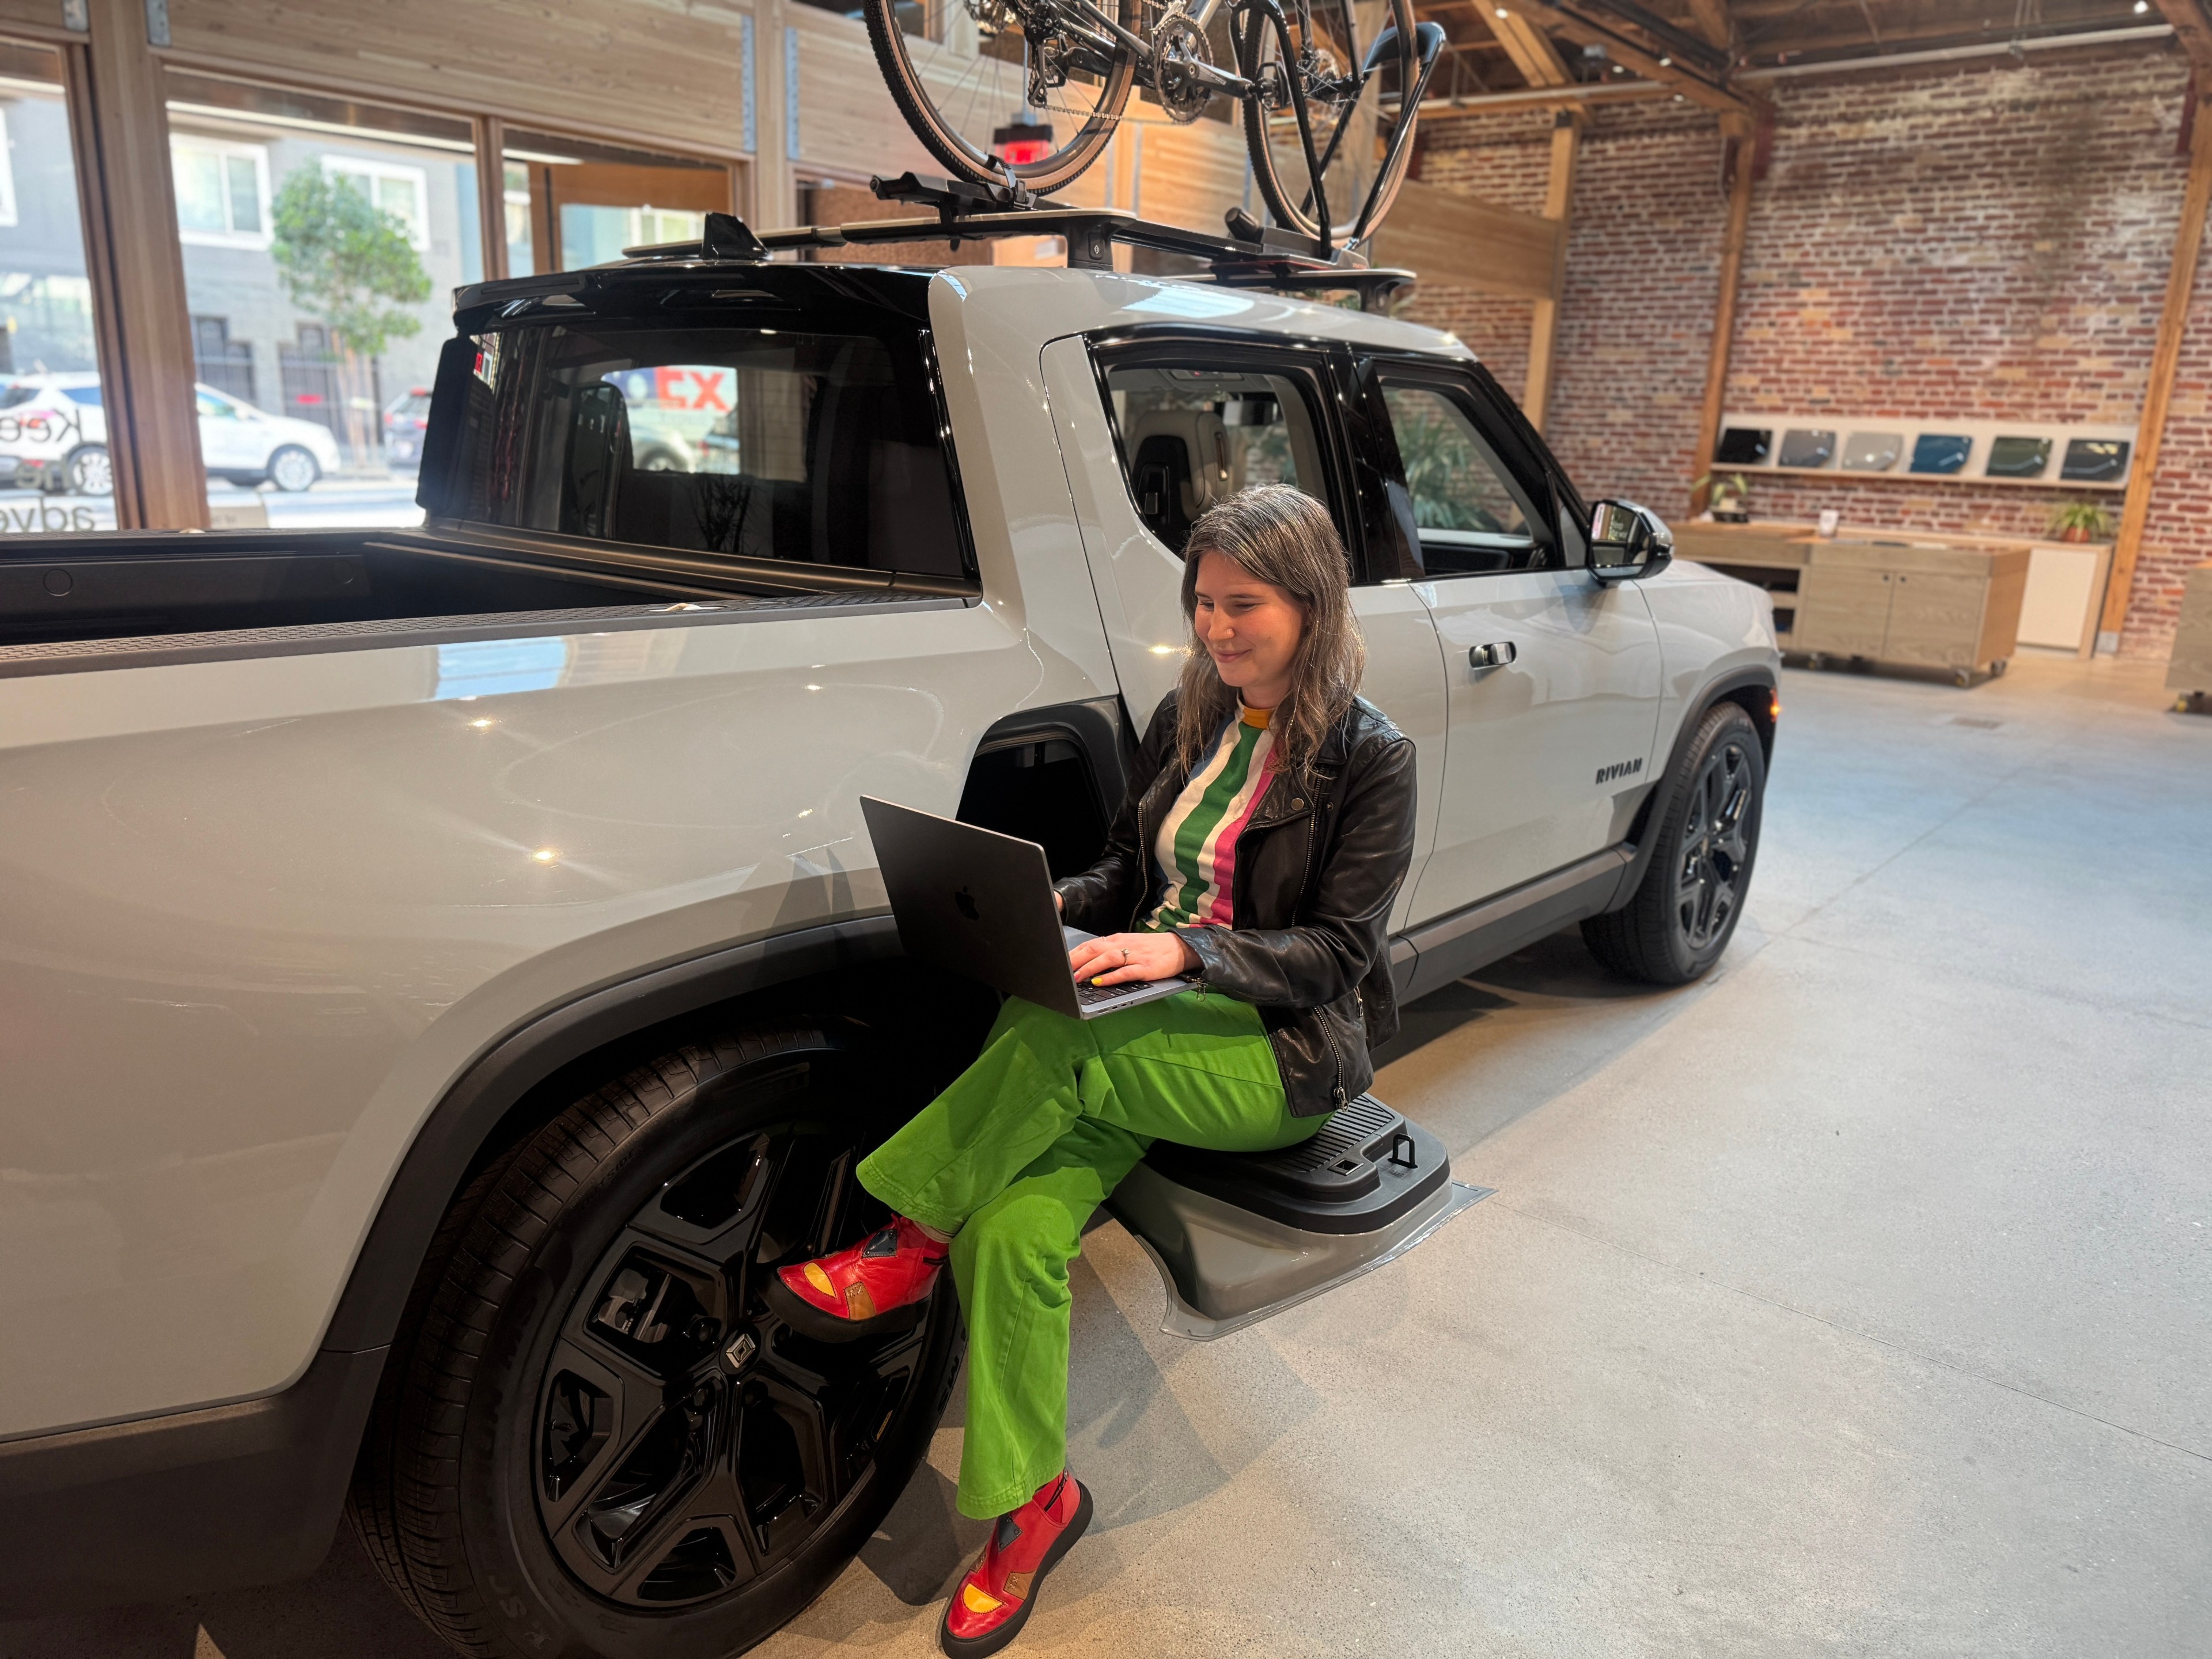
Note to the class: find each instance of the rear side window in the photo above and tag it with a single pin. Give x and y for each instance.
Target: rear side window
(1194, 435)
(1473, 515)
(761, 443)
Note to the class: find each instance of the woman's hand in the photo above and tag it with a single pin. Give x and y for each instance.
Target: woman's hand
(1127, 958)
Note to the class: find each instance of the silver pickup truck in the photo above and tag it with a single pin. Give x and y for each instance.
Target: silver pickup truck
(442, 972)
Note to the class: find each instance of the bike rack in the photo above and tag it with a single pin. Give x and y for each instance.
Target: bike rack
(1256, 257)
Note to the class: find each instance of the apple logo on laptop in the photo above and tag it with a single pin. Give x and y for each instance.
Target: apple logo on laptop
(967, 905)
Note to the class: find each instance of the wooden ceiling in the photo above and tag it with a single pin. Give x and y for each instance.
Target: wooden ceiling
(1698, 48)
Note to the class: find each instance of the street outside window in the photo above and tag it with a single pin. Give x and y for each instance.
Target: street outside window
(322, 240)
(55, 473)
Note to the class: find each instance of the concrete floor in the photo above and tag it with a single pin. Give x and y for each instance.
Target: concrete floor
(1855, 1301)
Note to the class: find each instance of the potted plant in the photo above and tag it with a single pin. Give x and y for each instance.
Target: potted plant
(2080, 521)
(1728, 496)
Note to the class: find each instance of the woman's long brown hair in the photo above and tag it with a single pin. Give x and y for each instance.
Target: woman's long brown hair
(1284, 536)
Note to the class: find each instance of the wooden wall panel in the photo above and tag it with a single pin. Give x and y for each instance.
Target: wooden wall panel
(662, 74)
(40, 19)
(847, 125)
(1449, 238)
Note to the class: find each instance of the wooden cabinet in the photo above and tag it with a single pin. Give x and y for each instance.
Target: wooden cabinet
(1915, 605)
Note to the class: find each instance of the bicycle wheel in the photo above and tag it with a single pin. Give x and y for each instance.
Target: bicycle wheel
(961, 70)
(1351, 126)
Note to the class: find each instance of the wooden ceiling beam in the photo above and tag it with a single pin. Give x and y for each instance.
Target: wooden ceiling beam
(2194, 28)
(1713, 21)
(1529, 46)
(1622, 48)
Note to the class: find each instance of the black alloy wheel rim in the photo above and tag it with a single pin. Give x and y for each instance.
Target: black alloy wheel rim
(686, 1441)
(1716, 847)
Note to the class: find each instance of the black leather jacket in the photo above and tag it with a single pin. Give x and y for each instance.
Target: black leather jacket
(1316, 870)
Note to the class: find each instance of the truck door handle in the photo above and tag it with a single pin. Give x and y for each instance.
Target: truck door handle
(1491, 656)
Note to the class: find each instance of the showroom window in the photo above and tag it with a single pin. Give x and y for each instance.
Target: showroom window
(323, 239)
(55, 469)
(570, 204)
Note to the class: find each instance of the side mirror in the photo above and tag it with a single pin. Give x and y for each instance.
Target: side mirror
(1627, 543)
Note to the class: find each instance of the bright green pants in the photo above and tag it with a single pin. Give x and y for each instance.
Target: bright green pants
(1014, 1156)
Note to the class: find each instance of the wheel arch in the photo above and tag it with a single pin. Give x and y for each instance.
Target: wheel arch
(1753, 689)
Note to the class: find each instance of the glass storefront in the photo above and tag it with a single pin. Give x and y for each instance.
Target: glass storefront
(55, 473)
(571, 204)
(323, 238)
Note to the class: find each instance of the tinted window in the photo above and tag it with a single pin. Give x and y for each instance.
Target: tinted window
(765, 443)
(1472, 515)
(1192, 437)
(87, 395)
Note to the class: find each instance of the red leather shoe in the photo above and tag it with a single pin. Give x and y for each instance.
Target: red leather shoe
(879, 1285)
(994, 1601)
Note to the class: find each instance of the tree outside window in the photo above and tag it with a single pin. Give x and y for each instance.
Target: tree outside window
(350, 264)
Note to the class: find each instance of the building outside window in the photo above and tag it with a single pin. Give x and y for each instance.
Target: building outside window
(323, 239)
(55, 469)
(401, 191)
(223, 192)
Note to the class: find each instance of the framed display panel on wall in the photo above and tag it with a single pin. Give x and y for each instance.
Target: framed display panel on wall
(2039, 453)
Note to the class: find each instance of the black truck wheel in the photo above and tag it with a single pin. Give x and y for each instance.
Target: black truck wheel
(593, 1437)
(1693, 892)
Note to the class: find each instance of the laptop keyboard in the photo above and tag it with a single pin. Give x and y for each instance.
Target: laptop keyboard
(1090, 995)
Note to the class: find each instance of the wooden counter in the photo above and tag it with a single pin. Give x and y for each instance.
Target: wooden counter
(1913, 603)
(1918, 601)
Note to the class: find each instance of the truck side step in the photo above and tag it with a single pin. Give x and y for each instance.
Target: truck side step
(1238, 1237)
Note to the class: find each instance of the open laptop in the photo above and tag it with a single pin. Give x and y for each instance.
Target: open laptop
(975, 902)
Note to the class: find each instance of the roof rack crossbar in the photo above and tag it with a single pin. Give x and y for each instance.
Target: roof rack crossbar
(1250, 256)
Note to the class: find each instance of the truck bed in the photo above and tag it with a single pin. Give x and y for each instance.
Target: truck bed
(68, 600)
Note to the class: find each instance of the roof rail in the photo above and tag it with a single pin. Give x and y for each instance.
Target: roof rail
(1250, 256)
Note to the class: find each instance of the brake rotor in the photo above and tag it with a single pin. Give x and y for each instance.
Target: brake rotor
(1178, 49)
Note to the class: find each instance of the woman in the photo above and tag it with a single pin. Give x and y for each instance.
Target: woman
(1268, 822)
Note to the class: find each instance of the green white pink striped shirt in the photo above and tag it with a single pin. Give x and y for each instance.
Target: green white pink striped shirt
(1197, 844)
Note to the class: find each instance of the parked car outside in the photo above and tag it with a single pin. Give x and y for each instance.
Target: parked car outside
(54, 436)
(405, 419)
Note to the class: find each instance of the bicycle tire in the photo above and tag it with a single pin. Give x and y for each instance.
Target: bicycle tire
(943, 140)
(1281, 195)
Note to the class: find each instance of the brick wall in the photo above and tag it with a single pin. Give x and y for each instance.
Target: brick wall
(1503, 159)
(1987, 241)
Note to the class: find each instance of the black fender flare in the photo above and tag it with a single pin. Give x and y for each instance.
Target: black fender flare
(447, 1147)
(1741, 686)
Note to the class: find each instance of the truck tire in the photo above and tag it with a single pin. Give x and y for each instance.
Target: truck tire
(1693, 892)
(593, 1438)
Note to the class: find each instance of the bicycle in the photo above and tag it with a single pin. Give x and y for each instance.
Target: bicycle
(1328, 122)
